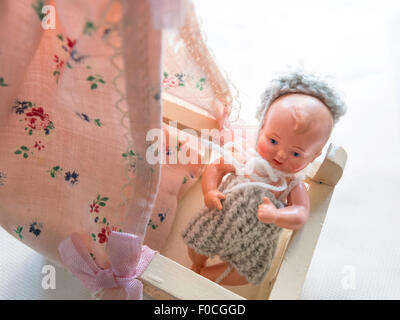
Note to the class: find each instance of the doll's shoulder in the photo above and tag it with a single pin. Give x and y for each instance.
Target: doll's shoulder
(294, 184)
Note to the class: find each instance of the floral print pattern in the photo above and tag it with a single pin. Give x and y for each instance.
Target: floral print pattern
(71, 177)
(53, 171)
(201, 83)
(59, 65)
(19, 231)
(38, 145)
(21, 106)
(99, 202)
(86, 118)
(68, 45)
(105, 233)
(3, 178)
(132, 157)
(174, 81)
(37, 122)
(2, 83)
(36, 119)
(178, 148)
(162, 215)
(38, 9)
(89, 28)
(36, 228)
(24, 151)
(95, 80)
(105, 230)
(180, 79)
(152, 225)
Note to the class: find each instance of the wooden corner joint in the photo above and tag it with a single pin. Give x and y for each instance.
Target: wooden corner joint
(331, 169)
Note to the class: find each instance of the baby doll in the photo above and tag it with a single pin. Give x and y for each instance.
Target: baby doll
(245, 213)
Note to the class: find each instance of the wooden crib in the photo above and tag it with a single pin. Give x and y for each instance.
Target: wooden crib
(169, 275)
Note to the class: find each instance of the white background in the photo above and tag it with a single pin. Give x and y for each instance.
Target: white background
(357, 43)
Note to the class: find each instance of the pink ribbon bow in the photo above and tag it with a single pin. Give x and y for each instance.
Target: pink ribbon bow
(128, 259)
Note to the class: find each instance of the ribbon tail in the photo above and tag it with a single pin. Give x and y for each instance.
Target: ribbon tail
(134, 290)
(76, 259)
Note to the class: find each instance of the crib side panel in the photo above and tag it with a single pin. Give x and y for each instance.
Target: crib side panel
(293, 271)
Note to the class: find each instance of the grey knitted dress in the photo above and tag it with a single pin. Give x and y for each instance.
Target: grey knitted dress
(235, 234)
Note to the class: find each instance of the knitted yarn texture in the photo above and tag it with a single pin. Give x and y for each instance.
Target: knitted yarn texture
(235, 234)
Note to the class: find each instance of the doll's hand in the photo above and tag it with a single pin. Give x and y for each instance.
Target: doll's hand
(213, 199)
(267, 212)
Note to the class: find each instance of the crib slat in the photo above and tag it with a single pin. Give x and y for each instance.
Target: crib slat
(186, 115)
(166, 279)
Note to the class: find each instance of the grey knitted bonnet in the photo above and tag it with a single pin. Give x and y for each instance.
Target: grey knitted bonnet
(301, 82)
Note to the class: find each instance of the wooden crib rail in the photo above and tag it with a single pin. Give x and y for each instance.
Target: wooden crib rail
(166, 279)
(289, 281)
(187, 115)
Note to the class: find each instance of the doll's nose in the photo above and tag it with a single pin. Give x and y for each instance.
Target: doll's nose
(280, 156)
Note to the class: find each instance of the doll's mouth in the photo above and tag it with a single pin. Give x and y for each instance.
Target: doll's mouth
(276, 162)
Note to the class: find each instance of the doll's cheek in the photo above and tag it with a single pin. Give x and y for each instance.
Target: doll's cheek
(261, 148)
(298, 165)
(265, 149)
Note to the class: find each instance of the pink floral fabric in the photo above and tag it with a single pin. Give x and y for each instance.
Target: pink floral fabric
(76, 103)
(72, 129)
(176, 179)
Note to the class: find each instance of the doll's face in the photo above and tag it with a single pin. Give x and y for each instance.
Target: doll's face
(296, 128)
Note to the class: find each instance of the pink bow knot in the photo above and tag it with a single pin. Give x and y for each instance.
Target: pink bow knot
(128, 260)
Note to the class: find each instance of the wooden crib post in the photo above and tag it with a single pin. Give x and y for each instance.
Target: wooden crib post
(293, 270)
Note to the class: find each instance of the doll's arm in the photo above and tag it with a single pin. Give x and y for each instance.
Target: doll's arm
(211, 179)
(293, 216)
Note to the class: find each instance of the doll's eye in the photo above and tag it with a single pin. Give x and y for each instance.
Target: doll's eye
(296, 154)
(273, 141)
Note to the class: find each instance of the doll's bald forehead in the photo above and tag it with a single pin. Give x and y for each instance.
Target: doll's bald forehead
(306, 111)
